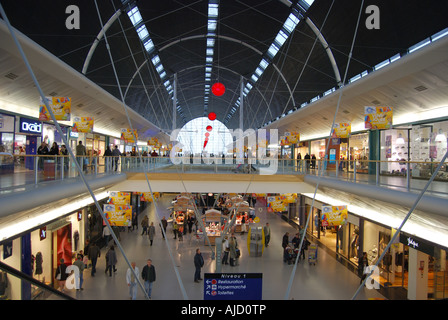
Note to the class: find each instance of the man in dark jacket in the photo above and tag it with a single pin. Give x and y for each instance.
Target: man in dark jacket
(94, 253)
(149, 275)
(198, 264)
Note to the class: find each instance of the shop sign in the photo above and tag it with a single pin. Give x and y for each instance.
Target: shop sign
(233, 286)
(30, 126)
(43, 233)
(417, 244)
(7, 249)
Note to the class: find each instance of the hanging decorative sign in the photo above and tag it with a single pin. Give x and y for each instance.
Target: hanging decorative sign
(83, 124)
(378, 117)
(341, 130)
(61, 107)
(218, 89)
(333, 215)
(127, 136)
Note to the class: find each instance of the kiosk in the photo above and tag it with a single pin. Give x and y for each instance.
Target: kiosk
(214, 224)
(255, 241)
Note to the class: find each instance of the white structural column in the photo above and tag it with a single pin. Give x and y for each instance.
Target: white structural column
(418, 275)
(174, 101)
(242, 103)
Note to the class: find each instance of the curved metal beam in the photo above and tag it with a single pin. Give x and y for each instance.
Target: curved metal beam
(98, 39)
(327, 48)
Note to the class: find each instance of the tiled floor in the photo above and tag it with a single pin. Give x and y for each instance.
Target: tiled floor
(328, 279)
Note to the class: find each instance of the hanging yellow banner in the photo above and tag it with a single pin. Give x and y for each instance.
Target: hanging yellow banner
(146, 196)
(334, 215)
(83, 124)
(276, 204)
(378, 117)
(127, 136)
(118, 215)
(341, 130)
(119, 198)
(61, 107)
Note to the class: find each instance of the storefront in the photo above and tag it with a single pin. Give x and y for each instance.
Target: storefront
(39, 252)
(359, 152)
(7, 128)
(395, 151)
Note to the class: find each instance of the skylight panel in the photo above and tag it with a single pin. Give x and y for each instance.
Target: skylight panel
(209, 52)
(211, 26)
(264, 64)
(213, 11)
(291, 23)
(281, 38)
(142, 32)
(210, 42)
(135, 16)
(155, 60)
(149, 45)
(272, 51)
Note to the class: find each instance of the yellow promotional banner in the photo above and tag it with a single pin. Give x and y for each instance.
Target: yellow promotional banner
(342, 130)
(83, 124)
(290, 197)
(378, 117)
(153, 142)
(334, 215)
(118, 215)
(146, 196)
(61, 107)
(127, 136)
(119, 198)
(292, 137)
(276, 204)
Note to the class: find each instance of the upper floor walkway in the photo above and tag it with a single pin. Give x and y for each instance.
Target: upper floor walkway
(27, 172)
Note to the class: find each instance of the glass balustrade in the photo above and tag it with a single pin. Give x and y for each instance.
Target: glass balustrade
(20, 170)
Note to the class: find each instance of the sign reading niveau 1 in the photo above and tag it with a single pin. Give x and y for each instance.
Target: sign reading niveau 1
(233, 286)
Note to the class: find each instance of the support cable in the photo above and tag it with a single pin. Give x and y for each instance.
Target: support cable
(64, 139)
(326, 153)
(141, 160)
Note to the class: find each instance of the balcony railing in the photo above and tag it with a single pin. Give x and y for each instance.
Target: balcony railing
(20, 170)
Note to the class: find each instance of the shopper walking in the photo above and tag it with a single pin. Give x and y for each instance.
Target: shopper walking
(106, 235)
(151, 232)
(285, 240)
(94, 254)
(198, 264)
(267, 234)
(111, 260)
(116, 156)
(233, 247)
(131, 280)
(226, 248)
(163, 225)
(61, 275)
(81, 266)
(80, 153)
(144, 224)
(149, 275)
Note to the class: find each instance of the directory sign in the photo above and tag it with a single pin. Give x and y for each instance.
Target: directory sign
(233, 286)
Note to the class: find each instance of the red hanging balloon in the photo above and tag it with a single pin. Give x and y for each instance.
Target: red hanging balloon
(218, 89)
(209, 128)
(212, 116)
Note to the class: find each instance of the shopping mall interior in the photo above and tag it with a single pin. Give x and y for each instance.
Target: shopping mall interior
(300, 145)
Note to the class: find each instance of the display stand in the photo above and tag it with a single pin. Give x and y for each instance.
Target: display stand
(213, 223)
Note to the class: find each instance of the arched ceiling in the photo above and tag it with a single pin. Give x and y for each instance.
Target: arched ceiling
(245, 31)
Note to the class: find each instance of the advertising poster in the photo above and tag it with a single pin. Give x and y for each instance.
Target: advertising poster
(119, 198)
(333, 215)
(64, 244)
(153, 141)
(290, 197)
(378, 117)
(276, 204)
(82, 124)
(118, 215)
(292, 137)
(146, 196)
(127, 136)
(342, 130)
(61, 107)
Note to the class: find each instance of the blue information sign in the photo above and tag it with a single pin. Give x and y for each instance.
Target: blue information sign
(233, 286)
